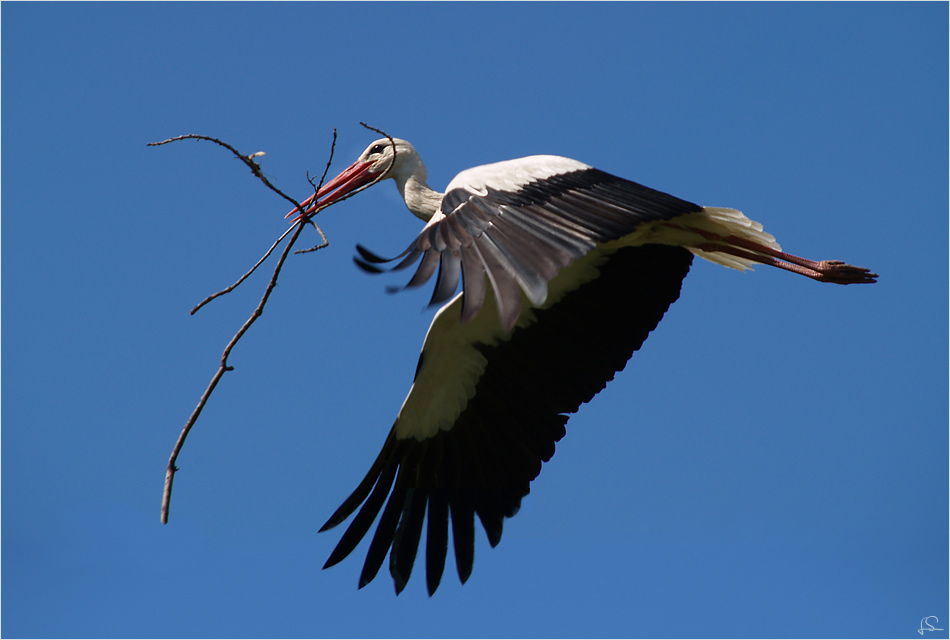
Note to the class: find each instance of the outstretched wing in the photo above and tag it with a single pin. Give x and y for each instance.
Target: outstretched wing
(516, 224)
(487, 407)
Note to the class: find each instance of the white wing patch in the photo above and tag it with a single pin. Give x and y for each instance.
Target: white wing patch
(448, 373)
(511, 175)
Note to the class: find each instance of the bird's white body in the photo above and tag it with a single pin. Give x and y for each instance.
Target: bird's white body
(566, 271)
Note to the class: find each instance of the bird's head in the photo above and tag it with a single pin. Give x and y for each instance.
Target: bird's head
(383, 159)
(394, 158)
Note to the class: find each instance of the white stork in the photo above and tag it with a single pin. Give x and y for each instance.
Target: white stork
(582, 265)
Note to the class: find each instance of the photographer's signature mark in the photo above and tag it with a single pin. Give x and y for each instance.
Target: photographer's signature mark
(926, 626)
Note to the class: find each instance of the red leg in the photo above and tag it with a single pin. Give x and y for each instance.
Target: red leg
(834, 271)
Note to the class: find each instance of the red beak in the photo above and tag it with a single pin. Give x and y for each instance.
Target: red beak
(353, 177)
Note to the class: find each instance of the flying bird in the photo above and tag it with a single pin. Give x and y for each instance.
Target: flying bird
(565, 271)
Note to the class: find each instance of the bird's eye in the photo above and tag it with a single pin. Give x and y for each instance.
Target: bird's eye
(377, 148)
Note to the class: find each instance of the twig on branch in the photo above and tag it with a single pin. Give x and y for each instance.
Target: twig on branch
(316, 188)
(248, 160)
(234, 286)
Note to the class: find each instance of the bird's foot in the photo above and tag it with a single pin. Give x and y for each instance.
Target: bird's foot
(840, 272)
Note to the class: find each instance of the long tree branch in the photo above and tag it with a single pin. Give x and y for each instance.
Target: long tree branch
(224, 366)
(303, 219)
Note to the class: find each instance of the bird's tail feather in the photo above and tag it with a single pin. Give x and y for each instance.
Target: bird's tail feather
(713, 225)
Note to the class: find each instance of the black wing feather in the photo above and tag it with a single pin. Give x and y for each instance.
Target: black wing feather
(383, 538)
(437, 537)
(406, 539)
(462, 508)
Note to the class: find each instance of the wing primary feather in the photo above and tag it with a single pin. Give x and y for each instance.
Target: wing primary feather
(375, 258)
(506, 289)
(450, 269)
(383, 538)
(528, 266)
(531, 267)
(364, 519)
(390, 452)
(595, 226)
(473, 285)
(462, 508)
(491, 518)
(411, 256)
(542, 245)
(461, 229)
(490, 468)
(437, 537)
(430, 260)
(368, 261)
(444, 236)
(406, 539)
(556, 234)
(368, 267)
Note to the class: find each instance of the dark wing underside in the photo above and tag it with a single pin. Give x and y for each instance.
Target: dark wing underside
(518, 241)
(484, 464)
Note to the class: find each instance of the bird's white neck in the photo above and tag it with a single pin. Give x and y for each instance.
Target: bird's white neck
(422, 200)
(410, 175)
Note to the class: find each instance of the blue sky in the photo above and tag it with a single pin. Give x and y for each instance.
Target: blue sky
(773, 462)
